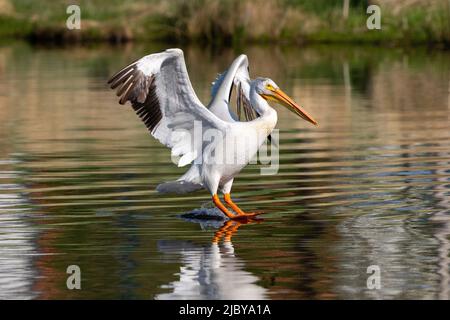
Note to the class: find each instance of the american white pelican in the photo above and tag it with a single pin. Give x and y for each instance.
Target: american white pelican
(160, 92)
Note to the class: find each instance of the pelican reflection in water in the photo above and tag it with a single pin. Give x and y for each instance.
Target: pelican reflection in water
(212, 272)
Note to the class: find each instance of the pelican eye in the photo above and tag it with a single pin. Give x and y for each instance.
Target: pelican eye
(269, 87)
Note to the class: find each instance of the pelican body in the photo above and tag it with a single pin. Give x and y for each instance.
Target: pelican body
(161, 94)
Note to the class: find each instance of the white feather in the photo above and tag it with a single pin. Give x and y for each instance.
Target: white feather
(237, 74)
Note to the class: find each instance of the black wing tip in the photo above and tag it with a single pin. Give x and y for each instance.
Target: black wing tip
(122, 71)
(125, 82)
(130, 81)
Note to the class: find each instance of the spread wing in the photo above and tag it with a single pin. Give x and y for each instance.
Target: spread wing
(236, 77)
(161, 94)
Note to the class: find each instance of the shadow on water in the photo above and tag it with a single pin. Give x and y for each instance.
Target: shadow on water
(369, 186)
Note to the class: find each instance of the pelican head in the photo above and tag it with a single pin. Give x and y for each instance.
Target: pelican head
(270, 91)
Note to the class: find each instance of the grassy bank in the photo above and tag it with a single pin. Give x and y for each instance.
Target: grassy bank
(228, 21)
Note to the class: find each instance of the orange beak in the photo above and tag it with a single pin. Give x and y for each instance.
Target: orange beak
(285, 100)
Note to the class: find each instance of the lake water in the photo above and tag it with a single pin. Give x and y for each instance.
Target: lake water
(369, 187)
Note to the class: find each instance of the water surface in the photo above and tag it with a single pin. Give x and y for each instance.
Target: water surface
(369, 186)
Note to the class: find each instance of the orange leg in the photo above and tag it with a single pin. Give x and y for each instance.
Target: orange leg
(240, 213)
(222, 208)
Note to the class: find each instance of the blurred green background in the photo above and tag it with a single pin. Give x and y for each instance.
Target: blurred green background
(229, 22)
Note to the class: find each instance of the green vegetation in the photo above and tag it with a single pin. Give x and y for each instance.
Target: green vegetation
(229, 21)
